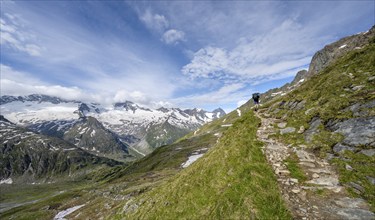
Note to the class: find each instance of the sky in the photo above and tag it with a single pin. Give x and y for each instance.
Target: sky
(204, 54)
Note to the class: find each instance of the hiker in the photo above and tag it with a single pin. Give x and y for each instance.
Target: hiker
(256, 97)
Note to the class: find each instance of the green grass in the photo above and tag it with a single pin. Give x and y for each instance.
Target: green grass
(295, 171)
(232, 181)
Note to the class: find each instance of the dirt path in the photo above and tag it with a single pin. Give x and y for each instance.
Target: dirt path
(320, 196)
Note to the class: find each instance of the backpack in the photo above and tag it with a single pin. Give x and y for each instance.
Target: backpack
(256, 96)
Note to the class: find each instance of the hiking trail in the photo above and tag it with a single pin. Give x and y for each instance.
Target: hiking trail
(319, 197)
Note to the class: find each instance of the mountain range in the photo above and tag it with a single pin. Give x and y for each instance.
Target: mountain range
(141, 128)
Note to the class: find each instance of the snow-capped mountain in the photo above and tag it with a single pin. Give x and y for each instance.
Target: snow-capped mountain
(140, 127)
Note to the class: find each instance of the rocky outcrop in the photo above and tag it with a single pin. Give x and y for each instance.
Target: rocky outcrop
(331, 52)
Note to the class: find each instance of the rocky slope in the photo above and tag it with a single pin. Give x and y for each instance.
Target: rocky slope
(26, 156)
(333, 114)
(309, 184)
(90, 135)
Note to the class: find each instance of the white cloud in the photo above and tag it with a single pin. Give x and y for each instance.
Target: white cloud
(206, 62)
(160, 24)
(173, 36)
(154, 21)
(160, 104)
(134, 96)
(13, 36)
(264, 57)
(227, 93)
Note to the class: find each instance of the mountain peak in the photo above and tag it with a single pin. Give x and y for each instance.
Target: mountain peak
(218, 113)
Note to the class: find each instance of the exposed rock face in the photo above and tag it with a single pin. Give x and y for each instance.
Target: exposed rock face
(361, 110)
(292, 105)
(329, 53)
(338, 148)
(357, 131)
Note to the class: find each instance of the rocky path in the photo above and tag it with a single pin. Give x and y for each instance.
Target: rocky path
(320, 196)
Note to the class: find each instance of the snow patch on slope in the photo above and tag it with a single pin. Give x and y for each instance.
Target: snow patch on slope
(191, 160)
(239, 112)
(342, 46)
(6, 181)
(62, 214)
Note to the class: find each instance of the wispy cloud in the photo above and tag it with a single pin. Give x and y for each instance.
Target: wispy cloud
(173, 36)
(226, 93)
(12, 35)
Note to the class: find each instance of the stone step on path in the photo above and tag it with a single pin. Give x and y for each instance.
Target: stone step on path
(303, 199)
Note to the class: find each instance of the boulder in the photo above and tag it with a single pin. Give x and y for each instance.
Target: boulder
(313, 129)
(357, 131)
(281, 125)
(338, 148)
(287, 130)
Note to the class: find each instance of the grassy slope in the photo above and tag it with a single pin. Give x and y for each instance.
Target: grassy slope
(233, 180)
(327, 95)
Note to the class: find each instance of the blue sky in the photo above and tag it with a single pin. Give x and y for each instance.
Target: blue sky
(186, 54)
